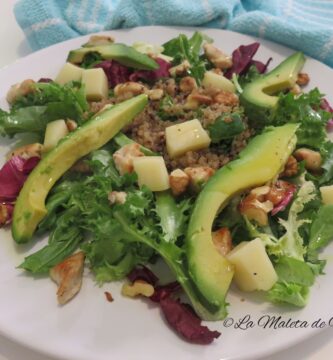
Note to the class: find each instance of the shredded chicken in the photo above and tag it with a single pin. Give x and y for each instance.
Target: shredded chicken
(68, 275)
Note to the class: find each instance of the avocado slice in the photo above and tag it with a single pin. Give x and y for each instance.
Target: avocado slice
(125, 55)
(258, 163)
(30, 205)
(258, 96)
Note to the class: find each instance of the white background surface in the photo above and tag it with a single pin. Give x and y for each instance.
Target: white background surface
(14, 47)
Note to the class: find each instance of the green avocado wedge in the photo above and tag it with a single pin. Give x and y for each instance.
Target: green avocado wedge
(260, 162)
(125, 55)
(30, 205)
(259, 97)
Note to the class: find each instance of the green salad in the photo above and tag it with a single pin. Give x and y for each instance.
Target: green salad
(218, 165)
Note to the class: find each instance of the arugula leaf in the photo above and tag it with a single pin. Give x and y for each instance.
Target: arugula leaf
(63, 241)
(294, 271)
(321, 231)
(251, 75)
(182, 48)
(225, 127)
(91, 59)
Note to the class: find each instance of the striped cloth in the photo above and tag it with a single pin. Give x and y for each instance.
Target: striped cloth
(305, 25)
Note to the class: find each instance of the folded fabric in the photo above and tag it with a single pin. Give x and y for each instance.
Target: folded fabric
(304, 25)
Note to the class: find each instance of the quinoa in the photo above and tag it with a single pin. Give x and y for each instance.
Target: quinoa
(148, 128)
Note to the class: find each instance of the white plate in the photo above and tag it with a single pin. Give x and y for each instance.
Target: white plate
(92, 328)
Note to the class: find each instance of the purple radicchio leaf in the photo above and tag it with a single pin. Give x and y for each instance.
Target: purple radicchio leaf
(289, 194)
(186, 323)
(152, 75)
(115, 72)
(242, 59)
(13, 175)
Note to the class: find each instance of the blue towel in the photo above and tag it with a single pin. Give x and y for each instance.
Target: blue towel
(305, 25)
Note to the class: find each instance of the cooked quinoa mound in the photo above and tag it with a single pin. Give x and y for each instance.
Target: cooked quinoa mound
(173, 107)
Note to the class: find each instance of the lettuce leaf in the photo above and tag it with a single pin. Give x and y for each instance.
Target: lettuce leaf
(306, 110)
(321, 231)
(49, 101)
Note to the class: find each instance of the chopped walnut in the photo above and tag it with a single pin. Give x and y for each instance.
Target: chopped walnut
(123, 158)
(24, 88)
(222, 240)
(108, 296)
(117, 197)
(187, 84)
(302, 79)
(226, 98)
(291, 167)
(254, 209)
(128, 90)
(217, 57)
(199, 176)
(71, 125)
(97, 40)
(312, 159)
(155, 94)
(139, 287)
(81, 167)
(179, 181)
(68, 275)
(195, 99)
(3, 215)
(180, 69)
(28, 151)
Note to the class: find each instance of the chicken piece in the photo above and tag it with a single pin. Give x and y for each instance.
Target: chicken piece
(217, 57)
(123, 158)
(28, 151)
(68, 275)
(198, 176)
(187, 84)
(222, 240)
(179, 181)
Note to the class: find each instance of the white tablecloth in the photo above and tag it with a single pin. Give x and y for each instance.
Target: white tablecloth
(14, 46)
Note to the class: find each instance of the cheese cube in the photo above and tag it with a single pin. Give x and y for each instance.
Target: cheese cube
(69, 72)
(96, 84)
(253, 268)
(217, 81)
(184, 137)
(55, 131)
(327, 194)
(152, 172)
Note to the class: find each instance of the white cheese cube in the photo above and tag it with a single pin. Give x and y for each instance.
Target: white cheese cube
(327, 194)
(69, 72)
(96, 84)
(152, 172)
(253, 268)
(55, 131)
(184, 137)
(217, 81)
